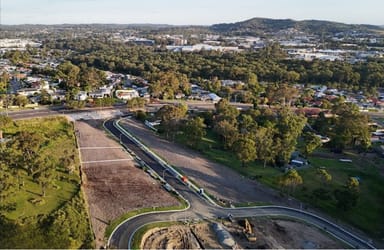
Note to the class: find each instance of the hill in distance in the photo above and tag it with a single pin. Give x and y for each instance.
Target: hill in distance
(259, 26)
(252, 27)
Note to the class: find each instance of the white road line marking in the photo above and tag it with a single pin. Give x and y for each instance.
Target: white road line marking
(100, 161)
(97, 147)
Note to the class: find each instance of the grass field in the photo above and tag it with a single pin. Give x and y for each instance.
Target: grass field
(367, 215)
(59, 135)
(59, 219)
(369, 211)
(30, 193)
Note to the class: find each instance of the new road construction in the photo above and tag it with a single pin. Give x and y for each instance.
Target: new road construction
(202, 208)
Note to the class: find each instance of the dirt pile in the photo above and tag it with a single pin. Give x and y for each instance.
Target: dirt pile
(278, 234)
(175, 237)
(270, 233)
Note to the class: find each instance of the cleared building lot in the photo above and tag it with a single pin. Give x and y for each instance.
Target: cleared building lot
(112, 184)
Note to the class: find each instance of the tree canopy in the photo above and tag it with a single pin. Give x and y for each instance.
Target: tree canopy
(291, 180)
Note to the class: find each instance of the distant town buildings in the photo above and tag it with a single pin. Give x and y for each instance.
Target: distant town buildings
(200, 47)
(17, 43)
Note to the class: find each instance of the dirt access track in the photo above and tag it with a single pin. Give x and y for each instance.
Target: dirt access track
(269, 233)
(113, 185)
(218, 180)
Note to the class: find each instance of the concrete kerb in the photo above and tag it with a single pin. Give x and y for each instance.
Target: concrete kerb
(319, 227)
(137, 229)
(314, 216)
(161, 161)
(142, 214)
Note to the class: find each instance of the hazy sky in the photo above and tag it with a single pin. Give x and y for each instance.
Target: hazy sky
(187, 11)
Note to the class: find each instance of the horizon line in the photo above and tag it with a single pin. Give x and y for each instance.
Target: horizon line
(180, 25)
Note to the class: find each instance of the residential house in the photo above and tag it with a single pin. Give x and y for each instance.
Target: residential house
(28, 91)
(126, 94)
(81, 96)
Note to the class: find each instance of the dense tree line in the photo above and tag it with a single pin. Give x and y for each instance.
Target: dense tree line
(259, 134)
(347, 127)
(268, 64)
(269, 135)
(75, 78)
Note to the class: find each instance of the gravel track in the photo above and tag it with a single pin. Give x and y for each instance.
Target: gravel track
(218, 180)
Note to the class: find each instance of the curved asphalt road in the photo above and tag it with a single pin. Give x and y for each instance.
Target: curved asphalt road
(201, 209)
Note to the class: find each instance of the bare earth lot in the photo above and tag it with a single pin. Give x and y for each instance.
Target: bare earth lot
(112, 187)
(271, 234)
(217, 179)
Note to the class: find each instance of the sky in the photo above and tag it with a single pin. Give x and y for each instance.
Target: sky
(187, 12)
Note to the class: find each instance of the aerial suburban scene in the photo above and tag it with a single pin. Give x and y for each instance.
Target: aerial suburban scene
(206, 124)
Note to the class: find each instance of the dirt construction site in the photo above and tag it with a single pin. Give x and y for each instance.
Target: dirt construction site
(266, 234)
(113, 185)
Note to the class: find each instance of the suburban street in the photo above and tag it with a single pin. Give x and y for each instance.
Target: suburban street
(201, 209)
(42, 111)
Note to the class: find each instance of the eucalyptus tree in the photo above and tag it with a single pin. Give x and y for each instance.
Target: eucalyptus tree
(311, 143)
(289, 127)
(290, 180)
(194, 131)
(170, 116)
(350, 128)
(324, 175)
(245, 149)
(26, 148)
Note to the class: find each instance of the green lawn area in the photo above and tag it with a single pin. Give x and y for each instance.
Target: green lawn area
(59, 137)
(59, 194)
(369, 211)
(368, 214)
(60, 218)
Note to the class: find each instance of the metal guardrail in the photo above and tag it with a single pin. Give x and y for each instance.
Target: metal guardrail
(161, 161)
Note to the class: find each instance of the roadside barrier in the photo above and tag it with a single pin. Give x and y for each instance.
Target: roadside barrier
(162, 162)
